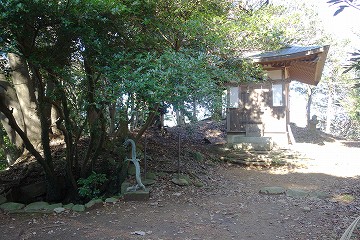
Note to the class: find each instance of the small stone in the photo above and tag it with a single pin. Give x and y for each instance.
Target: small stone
(10, 206)
(68, 206)
(93, 202)
(78, 208)
(296, 193)
(180, 181)
(2, 199)
(59, 210)
(184, 176)
(36, 206)
(111, 200)
(272, 190)
(198, 184)
(53, 206)
(140, 233)
(148, 182)
(162, 174)
(198, 156)
(319, 194)
(150, 175)
(306, 209)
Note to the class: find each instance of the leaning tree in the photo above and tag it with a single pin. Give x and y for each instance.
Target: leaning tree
(83, 68)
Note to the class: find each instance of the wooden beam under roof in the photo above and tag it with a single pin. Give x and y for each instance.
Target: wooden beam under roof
(305, 64)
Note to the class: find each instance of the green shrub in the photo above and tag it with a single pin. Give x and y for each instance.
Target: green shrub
(198, 156)
(3, 165)
(89, 187)
(8, 151)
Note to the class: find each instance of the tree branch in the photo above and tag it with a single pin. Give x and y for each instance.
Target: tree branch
(166, 38)
(28, 145)
(147, 123)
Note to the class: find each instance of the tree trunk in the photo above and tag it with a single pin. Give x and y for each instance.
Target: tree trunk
(100, 140)
(122, 131)
(12, 102)
(329, 110)
(53, 189)
(112, 112)
(52, 111)
(25, 91)
(180, 117)
(148, 122)
(44, 116)
(194, 113)
(95, 119)
(310, 94)
(54, 115)
(67, 130)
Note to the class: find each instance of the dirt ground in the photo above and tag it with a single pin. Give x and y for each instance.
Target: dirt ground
(229, 206)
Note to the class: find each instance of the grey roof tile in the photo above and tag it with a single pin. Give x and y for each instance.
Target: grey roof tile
(286, 52)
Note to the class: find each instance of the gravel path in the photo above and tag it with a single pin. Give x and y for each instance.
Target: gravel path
(228, 207)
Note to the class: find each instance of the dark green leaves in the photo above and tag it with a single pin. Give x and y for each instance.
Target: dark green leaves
(343, 4)
(354, 62)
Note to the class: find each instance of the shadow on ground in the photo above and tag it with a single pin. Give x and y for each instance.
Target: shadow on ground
(305, 135)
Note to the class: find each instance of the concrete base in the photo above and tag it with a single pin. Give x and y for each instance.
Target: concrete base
(141, 195)
(250, 143)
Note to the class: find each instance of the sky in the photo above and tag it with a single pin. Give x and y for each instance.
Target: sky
(343, 25)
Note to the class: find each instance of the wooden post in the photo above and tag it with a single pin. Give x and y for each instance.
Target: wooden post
(145, 157)
(178, 163)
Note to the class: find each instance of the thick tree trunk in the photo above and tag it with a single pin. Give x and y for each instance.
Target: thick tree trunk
(67, 129)
(96, 122)
(19, 110)
(100, 139)
(112, 112)
(12, 102)
(53, 189)
(25, 91)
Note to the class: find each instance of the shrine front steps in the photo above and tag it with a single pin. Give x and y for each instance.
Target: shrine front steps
(239, 142)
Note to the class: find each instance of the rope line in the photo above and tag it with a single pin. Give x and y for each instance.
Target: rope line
(348, 232)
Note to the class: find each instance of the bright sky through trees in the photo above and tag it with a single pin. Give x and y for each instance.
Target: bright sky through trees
(344, 25)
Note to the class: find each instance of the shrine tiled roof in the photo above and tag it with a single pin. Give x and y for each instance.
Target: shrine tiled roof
(287, 53)
(305, 63)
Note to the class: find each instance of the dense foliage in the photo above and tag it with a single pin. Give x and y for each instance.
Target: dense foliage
(350, 125)
(98, 67)
(106, 70)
